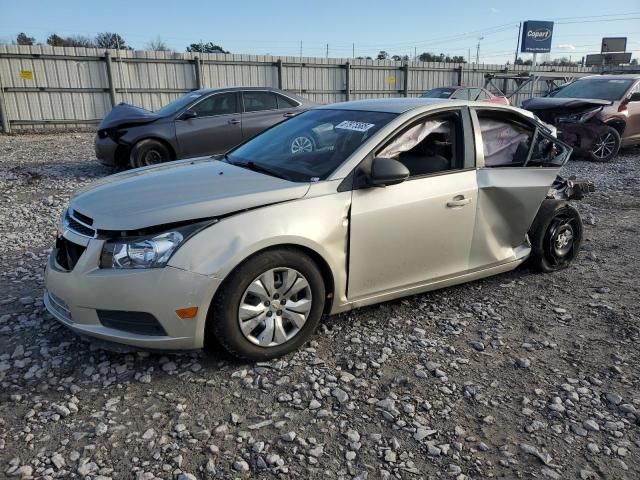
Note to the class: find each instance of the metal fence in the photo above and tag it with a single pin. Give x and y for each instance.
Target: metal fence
(44, 87)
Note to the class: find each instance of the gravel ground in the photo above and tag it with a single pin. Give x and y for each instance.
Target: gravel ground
(522, 375)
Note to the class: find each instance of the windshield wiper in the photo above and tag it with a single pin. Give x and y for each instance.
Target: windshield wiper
(257, 168)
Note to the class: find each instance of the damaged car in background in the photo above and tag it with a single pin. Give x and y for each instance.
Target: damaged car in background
(202, 122)
(596, 115)
(249, 249)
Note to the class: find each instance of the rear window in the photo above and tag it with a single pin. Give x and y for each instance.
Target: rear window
(438, 93)
(611, 89)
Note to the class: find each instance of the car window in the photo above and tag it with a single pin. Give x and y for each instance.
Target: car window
(461, 94)
(483, 96)
(178, 104)
(309, 146)
(257, 101)
(438, 93)
(473, 93)
(284, 102)
(611, 89)
(433, 145)
(505, 140)
(218, 104)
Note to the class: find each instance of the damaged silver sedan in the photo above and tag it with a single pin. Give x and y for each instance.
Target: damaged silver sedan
(249, 249)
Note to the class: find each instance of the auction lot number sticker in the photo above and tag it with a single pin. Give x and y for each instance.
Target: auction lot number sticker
(355, 126)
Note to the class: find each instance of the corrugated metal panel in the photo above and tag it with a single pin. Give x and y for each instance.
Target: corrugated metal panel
(71, 84)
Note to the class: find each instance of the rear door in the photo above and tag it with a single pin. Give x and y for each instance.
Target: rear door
(264, 108)
(216, 128)
(517, 163)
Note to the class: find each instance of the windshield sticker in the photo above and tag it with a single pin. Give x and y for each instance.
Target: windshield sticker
(355, 126)
(617, 81)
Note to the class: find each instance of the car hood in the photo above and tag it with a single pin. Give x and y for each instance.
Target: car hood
(178, 192)
(125, 114)
(566, 104)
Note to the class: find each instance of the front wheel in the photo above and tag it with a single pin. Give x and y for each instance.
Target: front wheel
(606, 146)
(269, 306)
(148, 152)
(556, 236)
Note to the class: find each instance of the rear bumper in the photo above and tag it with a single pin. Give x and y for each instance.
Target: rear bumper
(75, 298)
(105, 149)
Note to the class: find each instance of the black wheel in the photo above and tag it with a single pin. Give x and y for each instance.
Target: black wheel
(149, 152)
(268, 306)
(302, 144)
(556, 236)
(606, 145)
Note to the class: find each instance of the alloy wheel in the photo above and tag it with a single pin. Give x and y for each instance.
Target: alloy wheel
(151, 157)
(274, 307)
(605, 145)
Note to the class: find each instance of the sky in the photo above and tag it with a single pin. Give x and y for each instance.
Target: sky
(278, 27)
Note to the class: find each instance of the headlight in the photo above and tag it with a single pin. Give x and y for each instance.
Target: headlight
(580, 117)
(153, 251)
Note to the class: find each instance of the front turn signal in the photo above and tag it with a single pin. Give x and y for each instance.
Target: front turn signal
(189, 312)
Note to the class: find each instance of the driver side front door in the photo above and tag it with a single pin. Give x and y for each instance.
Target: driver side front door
(414, 233)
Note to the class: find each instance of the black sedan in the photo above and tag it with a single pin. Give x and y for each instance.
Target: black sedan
(202, 122)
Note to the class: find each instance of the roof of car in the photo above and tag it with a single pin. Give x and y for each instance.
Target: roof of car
(394, 105)
(205, 91)
(630, 76)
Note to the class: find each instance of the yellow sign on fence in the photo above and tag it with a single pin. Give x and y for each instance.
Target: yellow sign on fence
(26, 74)
(391, 80)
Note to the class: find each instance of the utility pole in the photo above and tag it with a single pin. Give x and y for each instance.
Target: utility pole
(478, 50)
(327, 50)
(415, 54)
(353, 50)
(469, 56)
(515, 58)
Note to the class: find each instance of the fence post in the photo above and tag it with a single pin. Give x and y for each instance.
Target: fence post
(279, 68)
(405, 69)
(347, 80)
(505, 82)
(198, 71)
(112, 88)
(459, 72)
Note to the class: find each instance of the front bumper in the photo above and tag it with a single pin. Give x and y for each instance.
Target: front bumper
(75, 297)
(105, 149)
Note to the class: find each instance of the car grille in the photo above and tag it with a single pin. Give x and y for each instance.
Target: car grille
(57, 307)
(79, 223)
(68, 253)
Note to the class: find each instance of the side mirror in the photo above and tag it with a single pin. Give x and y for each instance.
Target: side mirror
(635, 97)
(188, 114)
(387, 171)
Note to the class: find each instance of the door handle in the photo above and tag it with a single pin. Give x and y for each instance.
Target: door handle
(234, 121)
(458, 201)
(289, 115)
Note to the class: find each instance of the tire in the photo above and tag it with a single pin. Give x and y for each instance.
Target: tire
(148, 152)
(302, 144)
(241, 300)
(555, 236)
(606, 145)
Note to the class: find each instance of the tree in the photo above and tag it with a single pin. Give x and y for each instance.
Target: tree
(111, 40)
(519, 61)
(56, 40)
(24, 39)
(432, 57)
(158, 45)
(382, 55)
(208, 47)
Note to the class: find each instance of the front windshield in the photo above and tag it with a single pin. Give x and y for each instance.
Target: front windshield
(438, 93)
(178, 104)
(611, 89)
(311, 145)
